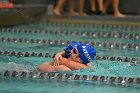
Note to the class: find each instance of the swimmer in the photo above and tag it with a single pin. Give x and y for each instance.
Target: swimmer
(76, 56)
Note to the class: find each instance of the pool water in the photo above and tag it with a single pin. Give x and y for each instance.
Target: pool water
(59, 86)
(26, 85)
(101, 67)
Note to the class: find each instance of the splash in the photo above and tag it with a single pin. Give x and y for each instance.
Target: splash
(12, 66)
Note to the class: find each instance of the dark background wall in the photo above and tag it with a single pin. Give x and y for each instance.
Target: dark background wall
(126, 6)
(24, 13)
(30, 1)
(130, 6)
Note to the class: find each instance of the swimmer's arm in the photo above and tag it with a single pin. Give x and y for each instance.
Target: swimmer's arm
(72, 64)
(58, 57)
(75, 65)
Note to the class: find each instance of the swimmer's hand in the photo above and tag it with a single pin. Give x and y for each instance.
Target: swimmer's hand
(57, 58)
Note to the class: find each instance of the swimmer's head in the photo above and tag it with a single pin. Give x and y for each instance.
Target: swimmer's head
(69, 47)
(86, 53)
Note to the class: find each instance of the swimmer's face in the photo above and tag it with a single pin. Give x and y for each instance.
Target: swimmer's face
(75, 55)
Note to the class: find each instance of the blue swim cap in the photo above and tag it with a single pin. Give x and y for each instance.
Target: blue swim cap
(69, 47)
(86, 53)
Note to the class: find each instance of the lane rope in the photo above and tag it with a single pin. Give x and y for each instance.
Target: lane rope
(64, 42)
(95, 34)
(65, 76)
(135, 60)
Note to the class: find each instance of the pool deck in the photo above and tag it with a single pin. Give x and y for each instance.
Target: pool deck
(17, 16)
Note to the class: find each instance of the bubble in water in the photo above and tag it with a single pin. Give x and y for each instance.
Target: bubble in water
(99, 45)
(51, 43)
(123, 81)
(112, 46)
(137, 37)
(34, 76)
(124, 47)
(105, 79)
(137, 47)
(83, 34)
(115, 36)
